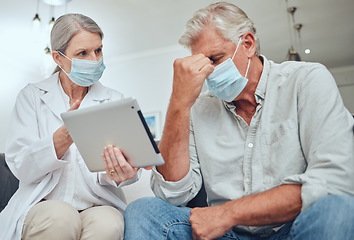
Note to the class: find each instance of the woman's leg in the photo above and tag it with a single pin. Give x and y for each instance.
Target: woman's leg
(52, 219)
(102, 222)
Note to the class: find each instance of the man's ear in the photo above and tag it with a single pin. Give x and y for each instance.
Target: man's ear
(56, 58)
(249, 42)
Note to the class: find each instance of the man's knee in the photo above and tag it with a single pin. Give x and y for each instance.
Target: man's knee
(328, 218)
(142, 206)
(335, 204)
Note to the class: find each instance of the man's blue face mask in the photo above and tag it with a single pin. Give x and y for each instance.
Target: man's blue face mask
(85, 72)
(226, 82)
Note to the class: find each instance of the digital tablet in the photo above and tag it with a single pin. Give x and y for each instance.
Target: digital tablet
(119, 123)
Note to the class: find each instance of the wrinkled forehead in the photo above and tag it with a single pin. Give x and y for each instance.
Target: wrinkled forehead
(208, 42)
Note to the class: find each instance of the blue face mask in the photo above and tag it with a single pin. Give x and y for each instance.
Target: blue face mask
(226, 82)
(85, 72)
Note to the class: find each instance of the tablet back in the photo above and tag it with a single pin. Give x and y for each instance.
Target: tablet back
(119, 123)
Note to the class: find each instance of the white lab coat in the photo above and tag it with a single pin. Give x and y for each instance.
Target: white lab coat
(31, 156)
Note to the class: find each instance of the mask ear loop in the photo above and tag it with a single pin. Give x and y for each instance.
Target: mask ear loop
(60, 66)
(248, 66)
(238, 44)
(249, 60)
(64, 55)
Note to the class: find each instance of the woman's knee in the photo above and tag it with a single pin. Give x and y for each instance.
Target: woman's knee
(53, 217)
(102, 222)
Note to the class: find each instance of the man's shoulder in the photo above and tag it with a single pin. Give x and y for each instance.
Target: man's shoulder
(295, 67)
(206, 98)
(207, 102)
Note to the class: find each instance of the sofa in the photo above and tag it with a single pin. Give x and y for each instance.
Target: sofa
(8, 183)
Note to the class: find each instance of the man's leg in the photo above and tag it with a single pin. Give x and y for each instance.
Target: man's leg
(331, 217)
(153, 218)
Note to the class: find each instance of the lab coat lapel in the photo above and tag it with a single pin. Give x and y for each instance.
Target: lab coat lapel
(96, 94)
(52, 95)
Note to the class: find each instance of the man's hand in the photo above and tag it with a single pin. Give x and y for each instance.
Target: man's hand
(210, 222)
(278, 205)
(189, 76)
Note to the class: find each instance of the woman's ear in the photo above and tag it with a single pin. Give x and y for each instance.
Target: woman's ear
(56, 58)
(249, 42)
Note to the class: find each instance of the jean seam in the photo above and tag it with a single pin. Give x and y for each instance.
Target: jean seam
(170, 225)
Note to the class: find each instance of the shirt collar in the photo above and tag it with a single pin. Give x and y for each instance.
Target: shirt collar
(262, 84)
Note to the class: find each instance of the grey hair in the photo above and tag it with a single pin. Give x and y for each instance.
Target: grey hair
(66, 26)
(230, 20)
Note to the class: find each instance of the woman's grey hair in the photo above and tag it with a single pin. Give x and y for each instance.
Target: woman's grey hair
(230, 20)
(66, 26)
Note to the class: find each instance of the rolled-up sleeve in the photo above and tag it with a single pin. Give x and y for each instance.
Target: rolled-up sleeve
(326, 135)
(184, 190)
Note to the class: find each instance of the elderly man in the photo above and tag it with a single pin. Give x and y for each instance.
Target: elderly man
(272, 143)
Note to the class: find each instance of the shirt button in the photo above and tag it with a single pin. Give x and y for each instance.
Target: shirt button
(247, 180)
(250, 145)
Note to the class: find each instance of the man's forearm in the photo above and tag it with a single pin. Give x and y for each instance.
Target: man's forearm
(174, 143)
(278, 205)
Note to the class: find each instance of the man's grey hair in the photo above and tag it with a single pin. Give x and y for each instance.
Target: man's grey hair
(230, 20)
(66, 26)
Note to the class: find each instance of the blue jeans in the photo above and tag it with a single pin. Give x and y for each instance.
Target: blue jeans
(331, 217)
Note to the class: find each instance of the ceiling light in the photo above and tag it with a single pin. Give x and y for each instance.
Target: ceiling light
(307, 51)
(47, 50)
(293, 55)
(36, 17)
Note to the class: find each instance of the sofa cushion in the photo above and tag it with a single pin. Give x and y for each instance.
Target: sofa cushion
(8, 183)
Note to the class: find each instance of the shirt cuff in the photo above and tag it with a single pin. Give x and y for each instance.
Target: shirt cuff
(103, 179)
(176, 193)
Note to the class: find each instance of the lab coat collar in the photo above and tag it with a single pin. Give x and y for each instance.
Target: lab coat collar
(52, 94)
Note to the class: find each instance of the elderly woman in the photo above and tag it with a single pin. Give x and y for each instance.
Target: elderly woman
(58, 197)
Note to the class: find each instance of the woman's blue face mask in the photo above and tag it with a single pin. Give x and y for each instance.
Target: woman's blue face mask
(85, 72)
(226, 82)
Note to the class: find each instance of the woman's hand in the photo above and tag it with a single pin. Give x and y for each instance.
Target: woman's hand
(61, 137)
(116, 166)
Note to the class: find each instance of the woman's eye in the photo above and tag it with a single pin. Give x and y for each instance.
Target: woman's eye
(83, 53)
(97, 51)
